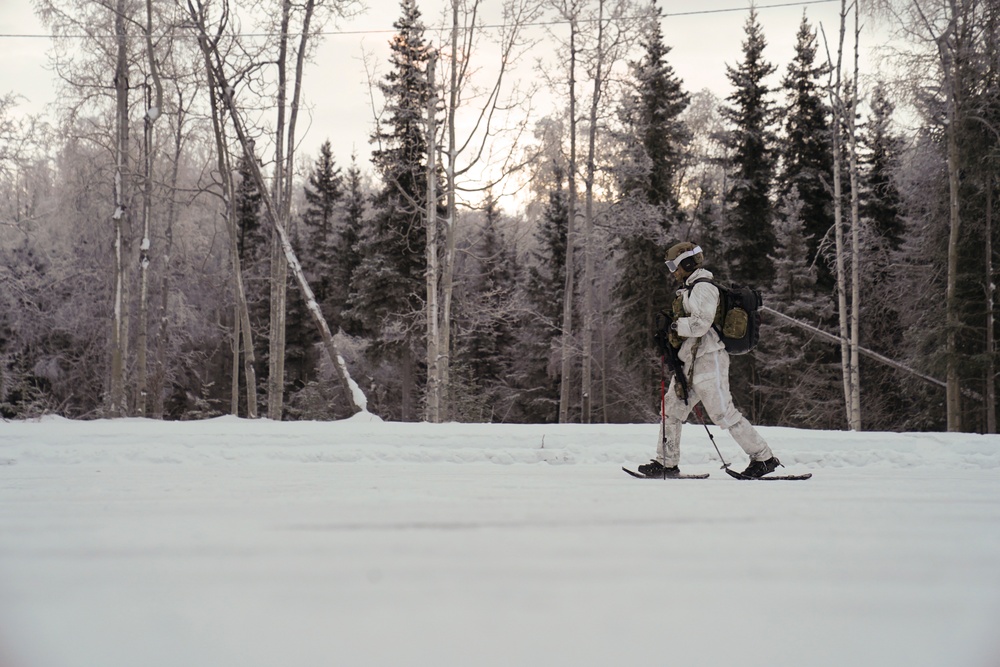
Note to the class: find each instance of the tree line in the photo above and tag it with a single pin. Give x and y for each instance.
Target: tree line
(166, 252)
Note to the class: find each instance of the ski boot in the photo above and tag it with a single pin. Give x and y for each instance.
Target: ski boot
(760, 468)
(656, 469)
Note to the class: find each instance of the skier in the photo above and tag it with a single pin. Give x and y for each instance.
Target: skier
(704, 364)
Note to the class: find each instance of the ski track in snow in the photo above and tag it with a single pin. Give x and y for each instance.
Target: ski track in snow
(137, 543)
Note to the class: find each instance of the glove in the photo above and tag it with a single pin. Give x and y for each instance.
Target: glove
(662, 339)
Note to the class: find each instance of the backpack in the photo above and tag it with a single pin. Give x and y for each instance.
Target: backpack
(737, 319)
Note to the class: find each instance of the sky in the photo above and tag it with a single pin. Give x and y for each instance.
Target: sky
(705, 36)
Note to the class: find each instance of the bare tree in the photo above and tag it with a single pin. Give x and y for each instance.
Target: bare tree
(495, 112)
(837, 102)
(153, 111)
(616, 33)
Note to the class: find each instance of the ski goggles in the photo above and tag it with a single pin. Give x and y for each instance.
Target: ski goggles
(674, 264)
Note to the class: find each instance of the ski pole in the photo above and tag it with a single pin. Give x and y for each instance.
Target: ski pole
(701, 418)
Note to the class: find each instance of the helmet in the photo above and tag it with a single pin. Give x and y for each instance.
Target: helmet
(685, 256)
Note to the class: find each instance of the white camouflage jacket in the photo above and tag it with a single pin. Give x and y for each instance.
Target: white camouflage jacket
(700, 304)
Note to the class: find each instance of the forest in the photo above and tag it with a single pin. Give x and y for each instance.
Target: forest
(167, 252)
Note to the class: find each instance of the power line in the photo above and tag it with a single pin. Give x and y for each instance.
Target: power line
(337, 33)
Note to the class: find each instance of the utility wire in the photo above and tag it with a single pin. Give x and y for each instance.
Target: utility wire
(335, 33)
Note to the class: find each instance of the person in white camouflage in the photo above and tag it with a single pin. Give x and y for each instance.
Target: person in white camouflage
(705, 364)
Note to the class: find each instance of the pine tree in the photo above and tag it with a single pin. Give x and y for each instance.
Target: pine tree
(806, 155)
(648, 212)
(388, 286)
(750, 235)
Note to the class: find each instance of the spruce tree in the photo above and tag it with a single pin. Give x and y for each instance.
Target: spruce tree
(388, 287)
(648, 212)
(806, 155)
(347, 248)
(247, 202)
(881, 205)
(323, 193)
(254, 240)
(750, 241)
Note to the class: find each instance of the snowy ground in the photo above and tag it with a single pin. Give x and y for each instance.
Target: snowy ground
(134, 543)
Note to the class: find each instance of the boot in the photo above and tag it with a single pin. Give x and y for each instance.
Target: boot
(656, 469)
(761, 468)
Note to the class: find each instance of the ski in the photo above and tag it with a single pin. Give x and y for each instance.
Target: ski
(641, 476)
(766, 478)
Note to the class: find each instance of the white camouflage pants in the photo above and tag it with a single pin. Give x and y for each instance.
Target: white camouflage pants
(710, 386)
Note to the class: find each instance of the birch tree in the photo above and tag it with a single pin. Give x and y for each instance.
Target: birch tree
(154, 107)
(478, 160)
(839, 105)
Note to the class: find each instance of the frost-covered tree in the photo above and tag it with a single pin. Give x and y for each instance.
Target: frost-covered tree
(751, 142)
(486, 344)
(797, 374)
(323, 192)
(388, 287)
(806, 151)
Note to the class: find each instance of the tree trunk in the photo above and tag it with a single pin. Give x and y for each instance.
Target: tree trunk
(448, 277)
(991, 395)
(279, 267)
(855, 363)
(586, 370)
(837, 100)
(949, 66)
(144, 254)
(119, 329)
(153, 110)
(163, 332)
(566, 346)
(433, 403)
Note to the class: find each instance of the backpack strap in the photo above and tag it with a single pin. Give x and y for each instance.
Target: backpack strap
(702, 280)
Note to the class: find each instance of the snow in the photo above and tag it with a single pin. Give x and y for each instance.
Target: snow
(257, 543)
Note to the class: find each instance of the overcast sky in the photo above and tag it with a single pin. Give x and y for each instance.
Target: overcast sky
(336, 84)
